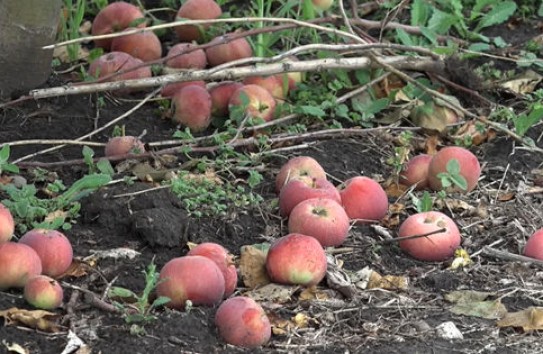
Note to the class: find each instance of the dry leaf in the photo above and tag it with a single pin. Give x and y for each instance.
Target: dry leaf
(387, 282)
(300, 320)
(475, 133)
(77, 269)
(393, 189)
(15, 348)
(461, 259)
(524, 83)
(506, 196)
(431, 143)
(37, 319)
(473, 303)
(56, 214)
(252, 267)
(273, 292)
(313, 293)
(529, 319)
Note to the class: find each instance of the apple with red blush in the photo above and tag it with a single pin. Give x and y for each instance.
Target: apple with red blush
(184, 56)
(260, 102)
(7, 224)
(415, 172)
(220, 97)
(534, 245)
(192, 108)
(123, 145)
(296, 167)
(470, 168)
(170, 90)
(43, 292)
(224, 51)
(196, 10)
(18, 263)
(115, 17)
(143, 45)
(302, 188)
(53, 248)
(364, 199)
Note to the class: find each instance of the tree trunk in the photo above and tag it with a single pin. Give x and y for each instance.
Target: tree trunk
(26, 26)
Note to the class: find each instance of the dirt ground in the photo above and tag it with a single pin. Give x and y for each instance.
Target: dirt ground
(371, 321)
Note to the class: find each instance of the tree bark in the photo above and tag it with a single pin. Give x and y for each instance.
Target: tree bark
(26, 26)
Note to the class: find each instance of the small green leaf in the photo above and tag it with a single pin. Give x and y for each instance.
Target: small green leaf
(312, 111)
(445, 179)
(117, 291)
(420, 12)
(525, 122)
(9, 167)
(441, 22)
(459, 181)
(479, 47)
(453, 167)
(4, 153)
(404, 37)
(104, 166)
(160, 301)
(499, 14)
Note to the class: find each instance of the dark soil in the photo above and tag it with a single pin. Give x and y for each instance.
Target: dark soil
(372, 321)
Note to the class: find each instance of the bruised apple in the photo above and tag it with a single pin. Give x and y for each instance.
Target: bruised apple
(192, 108)
(196, 10)
(222, 259)
(321, 218)
(296, 259)
(436, 247)
(18, 263)
(115, 17)
(179, 57)
(302, 188)
(470, 168)
(296, 167)
(243, 323)
(534, 245)
(273, 84)
(43, 292)
(194, 278)
(144, 45)
(416, 172)
(123, 145)
(53, 248)
(224, 51)
(364, 199)
(261, 103)
(7, 224)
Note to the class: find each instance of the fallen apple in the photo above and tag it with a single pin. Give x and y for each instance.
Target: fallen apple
(53, 248)
(43, 292)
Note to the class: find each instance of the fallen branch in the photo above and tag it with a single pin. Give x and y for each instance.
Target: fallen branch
(398, 62)
(507, 256)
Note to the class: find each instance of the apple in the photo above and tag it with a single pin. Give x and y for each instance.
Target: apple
(261, 103)
(43, 292)
(122, 145)
(178, 59)
(192, 108)
(115, 62)
(416, 172)
(223, 260)
(302, 188)
(436, 247)
(296, 259)
(470, 168)
(7, 224)
(296, 167)
(242, 322)
(225, 51)
(171, 89)
(196, 10)
(53, 248)
(18, 263)
(220, 96)
(273, 84)
(115, 17)
(322, 5)
(194, 278)
(534, 245)
(321, 218)
(364, 199)
(144, 45)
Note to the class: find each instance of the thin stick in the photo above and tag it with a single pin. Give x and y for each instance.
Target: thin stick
(507, 256)
(398, 239)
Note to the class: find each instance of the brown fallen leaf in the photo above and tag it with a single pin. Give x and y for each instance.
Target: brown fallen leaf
(387, 282)
(529, 319)
(37, 319)
(474, 303)
(252, 267)
(313, 293)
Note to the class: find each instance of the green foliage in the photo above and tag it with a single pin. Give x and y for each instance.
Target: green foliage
(139, 313)
(31, 211)
(70, 24)
(423, 204)
(5, 166)
(525, 121)
(102, 166)
(453, 177)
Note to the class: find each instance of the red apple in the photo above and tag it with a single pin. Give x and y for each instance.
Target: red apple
(243, 323)
(18, 263)
(196, 10)
(115, 62)
(303, 188)
(144, 46)
(261, 103)
(416, 172)
(223, 260)
(43, 292)
(122, 145)
(296, 259)
(273, 84)
(7, 224)
(534, 245)
(195, 59)
(470, 168)
(53, 248)
(115, 17)
(436, 247)
(192, 108)
(321, 218)
(220, 96)
(228, 51)
(296, 167)
(364, 199)
(194, 278)
(171, 89)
